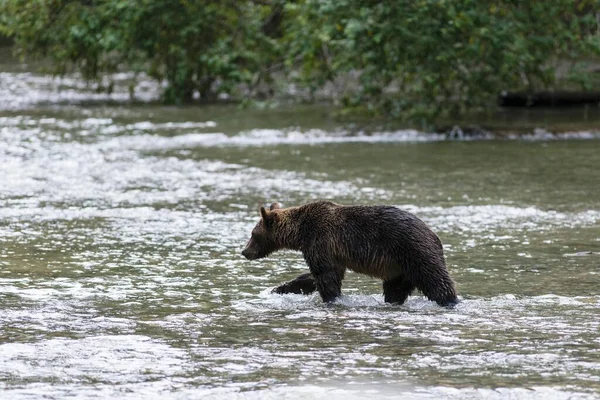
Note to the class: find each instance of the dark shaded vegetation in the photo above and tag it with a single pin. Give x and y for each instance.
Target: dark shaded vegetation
(5, 41)
(409, 59)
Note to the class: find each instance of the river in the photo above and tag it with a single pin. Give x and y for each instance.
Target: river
(121, 227)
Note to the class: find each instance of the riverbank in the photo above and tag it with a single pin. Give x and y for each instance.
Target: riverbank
(23, 92)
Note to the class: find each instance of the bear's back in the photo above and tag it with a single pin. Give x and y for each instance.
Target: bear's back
(374, 240)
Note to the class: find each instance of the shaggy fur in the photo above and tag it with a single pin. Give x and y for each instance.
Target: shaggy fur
(380, 241)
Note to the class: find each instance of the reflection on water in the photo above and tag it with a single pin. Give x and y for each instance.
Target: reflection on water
(120, 272)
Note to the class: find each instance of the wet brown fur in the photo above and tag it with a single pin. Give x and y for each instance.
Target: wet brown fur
(380, 241)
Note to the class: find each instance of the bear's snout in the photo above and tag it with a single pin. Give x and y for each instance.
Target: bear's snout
(248, 254)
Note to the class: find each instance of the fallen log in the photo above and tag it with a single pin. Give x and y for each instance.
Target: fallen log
(547, 99)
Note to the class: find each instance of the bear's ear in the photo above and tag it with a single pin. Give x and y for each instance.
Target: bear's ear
(266, 217)
(264, 213)
(276, 206)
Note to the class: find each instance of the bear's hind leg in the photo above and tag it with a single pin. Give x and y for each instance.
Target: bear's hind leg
(303, 284)
(397, 290)
(440, 289)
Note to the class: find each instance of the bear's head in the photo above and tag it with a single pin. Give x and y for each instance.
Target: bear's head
(263, 241)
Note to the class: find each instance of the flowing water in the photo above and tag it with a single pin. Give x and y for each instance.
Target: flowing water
(121, 228)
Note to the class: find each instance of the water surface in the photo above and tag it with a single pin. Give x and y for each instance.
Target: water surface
(121, 228)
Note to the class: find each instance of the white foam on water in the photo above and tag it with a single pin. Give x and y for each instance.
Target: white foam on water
(481, 218)
(539, 134)
(268, 301)
(27, 90)
(174, 390)
(112, 173)
(141, 364)
(116, 358)
(252, 138)
(291, 136)
(397, 390)
(98, 126)
(262, 137)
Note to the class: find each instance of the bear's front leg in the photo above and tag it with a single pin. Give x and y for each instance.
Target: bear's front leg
(328, 279)
(397, 290)
(303, 284)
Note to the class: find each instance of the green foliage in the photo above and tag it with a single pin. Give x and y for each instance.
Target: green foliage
(205, 47)
(420, 58)
(414, 59)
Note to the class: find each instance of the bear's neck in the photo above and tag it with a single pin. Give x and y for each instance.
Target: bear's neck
(290, 230)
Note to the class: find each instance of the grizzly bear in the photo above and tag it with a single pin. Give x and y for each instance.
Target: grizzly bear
(380, 241)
